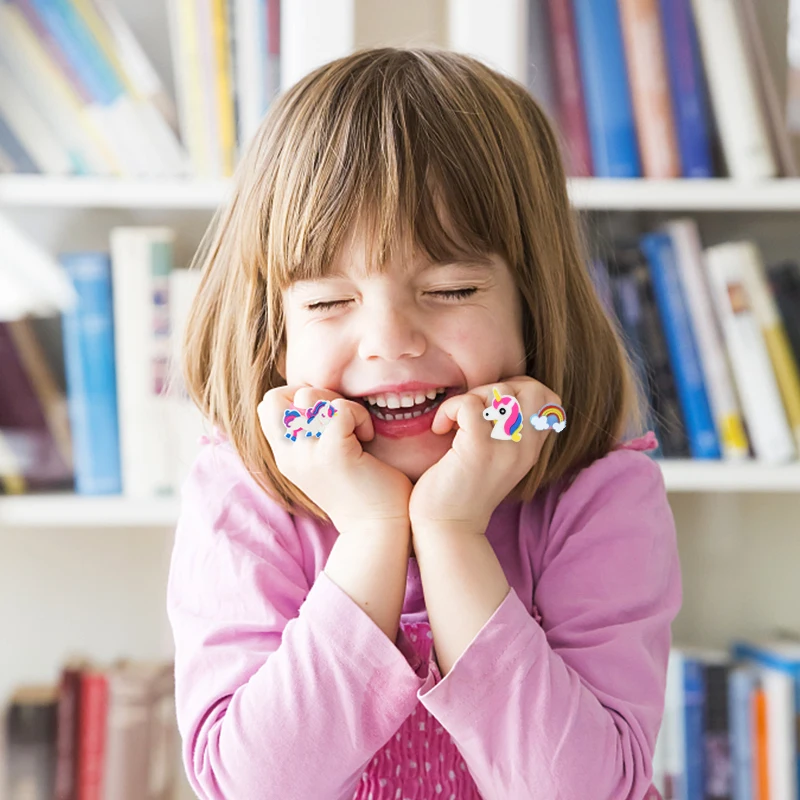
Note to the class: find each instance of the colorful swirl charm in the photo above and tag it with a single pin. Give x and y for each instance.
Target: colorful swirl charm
(506, 414)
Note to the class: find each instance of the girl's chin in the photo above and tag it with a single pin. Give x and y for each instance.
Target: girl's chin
(411, 455)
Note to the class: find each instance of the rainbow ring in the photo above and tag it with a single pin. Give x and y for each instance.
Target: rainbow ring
(550, 416)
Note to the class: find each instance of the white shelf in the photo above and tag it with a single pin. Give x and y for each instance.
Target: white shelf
(718, 194)
(71, 511)
(58, 192)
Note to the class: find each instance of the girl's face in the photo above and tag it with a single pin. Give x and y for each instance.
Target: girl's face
(402, 341)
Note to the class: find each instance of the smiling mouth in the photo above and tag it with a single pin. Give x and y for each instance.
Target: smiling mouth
(380, 408)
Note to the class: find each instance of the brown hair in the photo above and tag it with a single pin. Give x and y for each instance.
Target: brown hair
(385, 137)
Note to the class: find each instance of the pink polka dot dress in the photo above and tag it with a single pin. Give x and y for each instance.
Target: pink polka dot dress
(421, 761)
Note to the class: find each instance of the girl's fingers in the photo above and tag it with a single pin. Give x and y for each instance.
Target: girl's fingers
(463, 410)
(355, 419)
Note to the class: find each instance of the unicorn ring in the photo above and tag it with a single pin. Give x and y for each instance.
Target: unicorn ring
(550, 416)
(506, 414)
(310, 421)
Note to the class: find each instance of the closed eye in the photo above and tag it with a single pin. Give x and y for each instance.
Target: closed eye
(455, 294)
(326, 305)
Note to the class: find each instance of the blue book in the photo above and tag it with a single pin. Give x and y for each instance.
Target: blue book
(609, 109)
(683, 354)
(80, 50)
(688, 92)
(779, 655)
(694, 702)
(740, 694)
(14, 149)
(88, 333)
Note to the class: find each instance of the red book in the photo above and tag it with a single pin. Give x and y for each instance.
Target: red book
(92, 734)
(571, 108)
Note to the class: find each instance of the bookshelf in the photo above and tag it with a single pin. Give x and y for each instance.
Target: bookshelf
(93, 570)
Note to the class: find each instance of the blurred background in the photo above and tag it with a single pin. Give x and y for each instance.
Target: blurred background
(120, 124)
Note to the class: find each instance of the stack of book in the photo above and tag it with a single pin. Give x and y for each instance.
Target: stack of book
(715, 336)
(104, 410)
(731, 725)
(102, 733)
(659, 88)
(79, 96)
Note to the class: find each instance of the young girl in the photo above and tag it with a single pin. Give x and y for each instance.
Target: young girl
(405, 606)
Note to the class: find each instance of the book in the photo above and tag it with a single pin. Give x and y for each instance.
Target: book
(688, 92)
(784, 279)
(740, 121)
(650, 92)
(772, 328)
(92, 713)
(793, 78)
(141, 260)
(33, 450)
(764, 414)
(187, 421)
(666, 406)
(681, 342)
(540, 78)
(15, 157)
(612, 130)
(68, 731)
(778, 662)
(141, 732)
(89, 358)
(742, 684)
(710, 346)
(570, 103)
(773, 111)
(30, 742)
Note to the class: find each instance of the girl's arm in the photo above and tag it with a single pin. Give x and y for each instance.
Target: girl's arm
(284, 687)
(569, 707)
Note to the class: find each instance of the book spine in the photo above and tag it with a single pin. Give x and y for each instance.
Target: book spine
(716, 731)
(16, 152)
(752, 371)
(92, 735)
(778, 347)
(740, 694)
(666, 407)
(680, 337)
(722, 396)
(760, 737)
(274, 47)
(91, 375)
(569, 90)
(694, 699)
(650, 93)
(691, 113)
(141, 264)
(741, 124)
(784, 280)
(207, 80)
(67, 735)
(612, 131)
(540, 79)
(223, 84)
(676, 731)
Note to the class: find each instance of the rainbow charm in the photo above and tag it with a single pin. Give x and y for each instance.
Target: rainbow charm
(550, 416)
(506, 415)
(309, 420)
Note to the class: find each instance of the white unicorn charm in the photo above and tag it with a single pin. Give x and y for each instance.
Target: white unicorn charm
(506, 414)
(311, 420)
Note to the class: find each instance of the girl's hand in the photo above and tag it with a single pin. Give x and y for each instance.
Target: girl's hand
(463, 488)
(352, 487)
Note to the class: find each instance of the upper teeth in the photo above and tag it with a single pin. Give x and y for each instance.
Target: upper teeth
(403, 400)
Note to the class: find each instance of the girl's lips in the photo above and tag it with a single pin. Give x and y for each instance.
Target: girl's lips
(401, 428)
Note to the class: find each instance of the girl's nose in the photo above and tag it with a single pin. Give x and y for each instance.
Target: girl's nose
(390, 334)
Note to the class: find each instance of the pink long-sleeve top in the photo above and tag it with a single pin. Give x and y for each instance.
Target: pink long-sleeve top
(286, 688)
